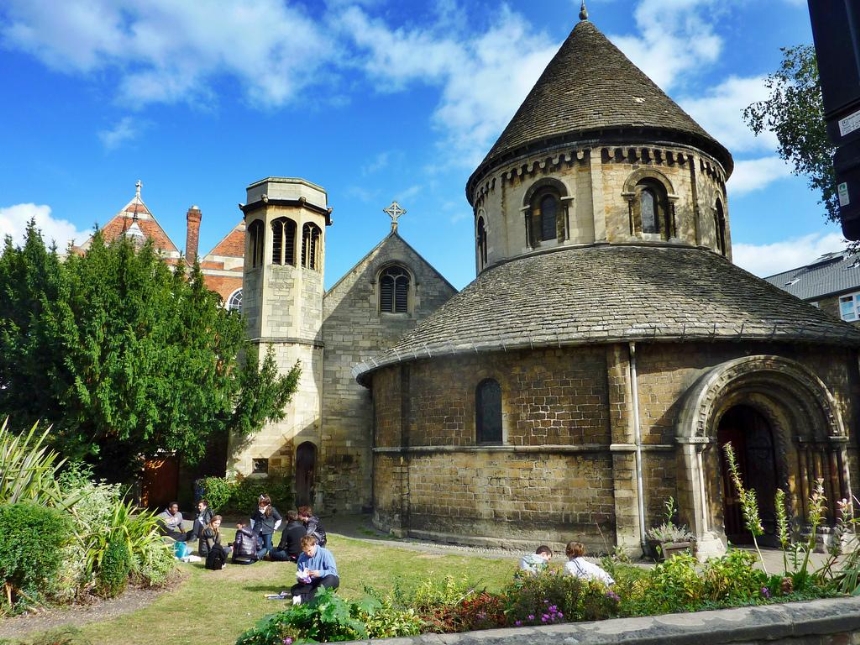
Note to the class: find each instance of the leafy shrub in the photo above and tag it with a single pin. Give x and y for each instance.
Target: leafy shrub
(326, 618)
(383, 620)
(31, 537)
(240, 495)
(138, 530)
(29, 469)
(732, 579)
(553, 597)
(669, 587)
(112, 577)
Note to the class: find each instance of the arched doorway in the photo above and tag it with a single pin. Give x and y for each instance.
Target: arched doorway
(752, 439)
(306, 457)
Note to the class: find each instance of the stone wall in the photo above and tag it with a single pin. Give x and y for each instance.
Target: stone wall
(353, 331)
(568, 459)
(598, 184)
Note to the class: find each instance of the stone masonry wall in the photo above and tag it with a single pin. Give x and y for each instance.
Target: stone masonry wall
(567, 463)
(598, 181)
(354, 330)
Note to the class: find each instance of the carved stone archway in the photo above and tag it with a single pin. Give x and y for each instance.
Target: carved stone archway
(810, 438)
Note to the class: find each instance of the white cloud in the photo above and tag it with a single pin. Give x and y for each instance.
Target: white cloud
(377, 163)
(167, 51)
(720, 113)
(124, 130)
(676, 38)
(756, 174)
(14, 220)
(769, 259)
(483, 78)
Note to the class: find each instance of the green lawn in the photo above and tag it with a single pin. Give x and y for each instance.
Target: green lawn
(214, 607)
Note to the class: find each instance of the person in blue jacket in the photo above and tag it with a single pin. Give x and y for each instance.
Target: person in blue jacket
(316, 568)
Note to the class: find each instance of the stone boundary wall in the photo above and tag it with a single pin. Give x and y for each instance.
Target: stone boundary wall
(817, 622)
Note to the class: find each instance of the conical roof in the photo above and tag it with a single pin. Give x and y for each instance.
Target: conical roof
(591, 88)
(614, 293)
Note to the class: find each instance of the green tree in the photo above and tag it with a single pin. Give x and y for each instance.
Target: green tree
(794, 112)
(126, 356)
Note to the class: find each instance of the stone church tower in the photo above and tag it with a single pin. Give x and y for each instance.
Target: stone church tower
(608, 348)
(324, 443)
(285, 222)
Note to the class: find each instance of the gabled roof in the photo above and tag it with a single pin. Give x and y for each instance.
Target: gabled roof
(135, 219)
(231, 245)
(829, 275)
(614, 293)
(590, 87)
(393, 238)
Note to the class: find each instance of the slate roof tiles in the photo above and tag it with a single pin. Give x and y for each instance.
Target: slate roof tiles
(605, 294)
(590, 87)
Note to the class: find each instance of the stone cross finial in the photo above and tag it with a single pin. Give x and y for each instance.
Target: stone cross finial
(394, 212)
(137, 188)
(583, 12)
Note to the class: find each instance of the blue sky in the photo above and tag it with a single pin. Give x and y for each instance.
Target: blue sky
(374, 100)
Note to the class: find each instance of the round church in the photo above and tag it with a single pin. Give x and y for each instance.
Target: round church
(608, 348)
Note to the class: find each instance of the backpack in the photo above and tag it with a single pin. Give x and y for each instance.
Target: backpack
(320, 535)
(180, 550)
(217, 558)
(317, 531)
(245, 546)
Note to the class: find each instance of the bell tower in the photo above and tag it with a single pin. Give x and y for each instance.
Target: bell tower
(285, 225)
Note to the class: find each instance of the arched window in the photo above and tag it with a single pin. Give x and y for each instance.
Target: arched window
(651, 209)
(488, 412)
(548, 211)
(284, 241)
(543, 217)
(234, 302)
(720, 227)
(310, 246)
(648, 209)
(482, 243)
(394, 290)
(256, 243)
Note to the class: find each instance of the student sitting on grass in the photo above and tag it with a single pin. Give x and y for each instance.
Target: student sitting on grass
(535, 563)
(210, 540)
(578, 566)
(170, 521)
(316, 568)
(290, 546)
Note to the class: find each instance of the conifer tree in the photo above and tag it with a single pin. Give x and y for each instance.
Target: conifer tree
(126, 356)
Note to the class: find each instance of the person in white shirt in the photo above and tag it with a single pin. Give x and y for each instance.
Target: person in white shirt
(578, 566)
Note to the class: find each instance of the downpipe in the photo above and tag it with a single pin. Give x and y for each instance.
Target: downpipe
(637, 439)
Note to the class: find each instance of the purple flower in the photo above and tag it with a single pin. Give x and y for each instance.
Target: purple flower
(531, 616)
(518, 623)
(765, 592)
(288, 641)
(544, 618)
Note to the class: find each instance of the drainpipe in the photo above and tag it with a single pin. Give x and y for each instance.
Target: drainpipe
(637, 439)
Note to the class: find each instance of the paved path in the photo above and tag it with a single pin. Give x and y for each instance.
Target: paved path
(359, 527)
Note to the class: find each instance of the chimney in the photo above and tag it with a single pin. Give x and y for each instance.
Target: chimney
(192, 234)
